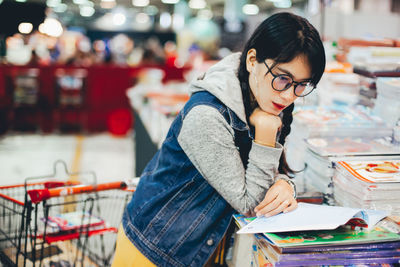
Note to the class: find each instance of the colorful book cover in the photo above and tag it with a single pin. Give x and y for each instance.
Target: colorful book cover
(368, 255)
(335, 116)
(73, 220)
(346, 262)
(391, 245)
(274, 254)
(262, 258)
(336, 146)
(378, 171)
(343, 238)
(342, 235)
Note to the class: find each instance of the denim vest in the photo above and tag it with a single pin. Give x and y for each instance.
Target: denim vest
(176, 218)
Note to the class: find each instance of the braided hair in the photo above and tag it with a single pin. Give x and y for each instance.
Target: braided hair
(282, 37)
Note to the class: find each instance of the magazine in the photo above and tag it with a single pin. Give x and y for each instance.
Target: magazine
(373, 171)
(274, 253)
(314, 217)
(345, 146)
(73, 220)
(342, 238)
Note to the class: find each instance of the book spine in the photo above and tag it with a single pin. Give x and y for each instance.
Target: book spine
(368, 261)
(381, 245)
(340, 254)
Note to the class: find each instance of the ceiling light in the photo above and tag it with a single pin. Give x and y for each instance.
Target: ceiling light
(79, 2)
(119, 19)
(25, 27)
(197, 4)
(140, 3)
(142, 18)
(283, 4)
(86, 11)
(178, 21)
(53, 3)
(170, 1)
(165, 20)
(60, 8)
(250, 9)
(51, 27)
(21, 1)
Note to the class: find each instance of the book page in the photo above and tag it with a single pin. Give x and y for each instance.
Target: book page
(307, 217)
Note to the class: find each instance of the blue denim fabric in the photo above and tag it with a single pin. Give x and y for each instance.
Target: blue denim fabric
(176, 218)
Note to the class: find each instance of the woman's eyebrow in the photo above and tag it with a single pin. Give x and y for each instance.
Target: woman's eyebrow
(291, 75)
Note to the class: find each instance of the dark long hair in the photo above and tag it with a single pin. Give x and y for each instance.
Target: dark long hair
(282, 37)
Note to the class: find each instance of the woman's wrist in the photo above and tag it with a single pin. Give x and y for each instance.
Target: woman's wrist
(265, 136)
(292, 184)
(269, 144)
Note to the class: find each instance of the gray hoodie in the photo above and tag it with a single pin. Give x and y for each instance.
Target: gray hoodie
(208, 141)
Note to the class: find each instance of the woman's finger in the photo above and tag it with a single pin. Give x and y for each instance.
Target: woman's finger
(272, 206)
(269, 198)
(283, 205)
(293, 205)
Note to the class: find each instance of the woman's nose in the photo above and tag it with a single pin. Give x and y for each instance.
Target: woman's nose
(288, 94)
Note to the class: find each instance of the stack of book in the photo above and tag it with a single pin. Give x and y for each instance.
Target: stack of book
(369, 74)
(338, 120)
(327, 244)
(323, 153)
(368, 183)
(316, 253)
(332, 121)
(387, 104)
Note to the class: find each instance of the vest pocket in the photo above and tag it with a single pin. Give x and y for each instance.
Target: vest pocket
(171, 210)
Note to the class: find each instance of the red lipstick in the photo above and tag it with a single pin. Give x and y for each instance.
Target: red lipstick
(278, 106)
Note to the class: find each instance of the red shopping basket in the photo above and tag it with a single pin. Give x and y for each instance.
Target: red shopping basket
(36, 229)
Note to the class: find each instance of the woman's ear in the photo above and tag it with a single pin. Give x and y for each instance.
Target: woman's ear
(251, 60)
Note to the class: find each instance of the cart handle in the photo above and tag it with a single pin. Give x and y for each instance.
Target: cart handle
(47, 184)
(38, 195)
(16, 201)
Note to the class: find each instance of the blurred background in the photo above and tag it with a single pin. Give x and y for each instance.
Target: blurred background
(74, 72)
(95, 84)
(75, 75)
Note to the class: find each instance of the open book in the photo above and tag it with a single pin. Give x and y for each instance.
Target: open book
(314, 217)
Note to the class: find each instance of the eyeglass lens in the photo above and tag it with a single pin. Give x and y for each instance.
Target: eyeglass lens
(283, 82)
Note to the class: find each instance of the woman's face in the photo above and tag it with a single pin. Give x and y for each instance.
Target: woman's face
(260, 80)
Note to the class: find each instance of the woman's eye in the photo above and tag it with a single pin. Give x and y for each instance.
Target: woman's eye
(284, 78)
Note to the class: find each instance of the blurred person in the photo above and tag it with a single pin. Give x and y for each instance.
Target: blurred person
(100, 53)
(171, 54)
(121, 46)
(83, 55)
(17, 51)
(153, 52)
(224, 152)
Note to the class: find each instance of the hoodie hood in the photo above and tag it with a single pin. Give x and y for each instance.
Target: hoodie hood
(221, 80)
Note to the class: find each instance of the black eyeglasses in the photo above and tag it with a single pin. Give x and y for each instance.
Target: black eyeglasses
(283, 82)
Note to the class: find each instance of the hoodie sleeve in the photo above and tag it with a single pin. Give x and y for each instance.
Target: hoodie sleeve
(208, 141)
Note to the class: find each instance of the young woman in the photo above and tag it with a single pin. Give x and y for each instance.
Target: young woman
(223, 153)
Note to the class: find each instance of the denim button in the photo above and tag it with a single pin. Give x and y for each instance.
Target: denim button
(210, 242)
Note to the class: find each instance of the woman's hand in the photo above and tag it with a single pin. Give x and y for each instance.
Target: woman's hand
(279, 198)
(266, 127)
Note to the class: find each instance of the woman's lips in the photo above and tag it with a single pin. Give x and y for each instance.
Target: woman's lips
(278, 106)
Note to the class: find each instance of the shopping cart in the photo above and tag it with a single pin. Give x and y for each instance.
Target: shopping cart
(46, 222)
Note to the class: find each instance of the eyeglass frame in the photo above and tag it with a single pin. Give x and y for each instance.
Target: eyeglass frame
(293, 82)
